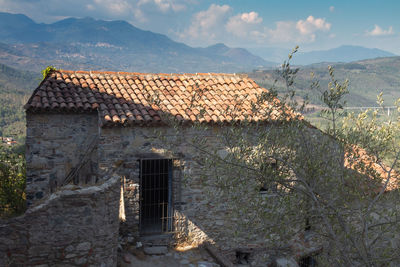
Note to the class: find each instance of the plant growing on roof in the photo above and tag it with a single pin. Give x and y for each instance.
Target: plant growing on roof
(47, 71)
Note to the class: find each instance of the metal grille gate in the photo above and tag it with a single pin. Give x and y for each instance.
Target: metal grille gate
(156, 196)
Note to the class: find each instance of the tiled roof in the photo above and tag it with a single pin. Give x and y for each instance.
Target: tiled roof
(358, 159)
(138, 98)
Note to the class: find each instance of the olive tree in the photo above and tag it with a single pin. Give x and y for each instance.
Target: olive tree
(339, 186)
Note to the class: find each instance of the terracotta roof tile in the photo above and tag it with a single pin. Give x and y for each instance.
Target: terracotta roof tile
(129, 98)
(358, 159)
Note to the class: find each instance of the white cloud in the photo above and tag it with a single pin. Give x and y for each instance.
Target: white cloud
(311, 25)
(122, 8)
(163, 5)
(251, 17)
(242, 24)
(284, 32)
(114, 6)
(90, 7)
(331, 8)
(302, 31)
(378, 31)
(139, 15)
(207, 23)
(217, 25)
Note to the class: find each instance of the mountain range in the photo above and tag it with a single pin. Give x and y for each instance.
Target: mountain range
(344, 53)
(91, 44)
(88, 43)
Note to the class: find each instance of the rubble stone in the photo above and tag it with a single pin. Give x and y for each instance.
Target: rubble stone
(38, 237)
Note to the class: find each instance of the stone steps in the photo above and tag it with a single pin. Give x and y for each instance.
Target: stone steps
(156, 240)
(156, 244)
(155, 250)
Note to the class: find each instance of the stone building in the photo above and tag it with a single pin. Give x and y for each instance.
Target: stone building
(85, 127)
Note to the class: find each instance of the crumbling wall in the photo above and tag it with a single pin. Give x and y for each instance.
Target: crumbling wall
(76, 226)
(55, 144)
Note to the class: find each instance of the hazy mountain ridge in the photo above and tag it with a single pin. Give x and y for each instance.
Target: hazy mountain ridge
(239, 55)
(367, 78)
(344, 53)
(112, 45)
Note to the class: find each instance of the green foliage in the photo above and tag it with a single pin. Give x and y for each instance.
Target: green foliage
(332, 98)
(288, 74)
(47, 71)
(12, 181)
(12, 115)
(376, 131)
(15, 88)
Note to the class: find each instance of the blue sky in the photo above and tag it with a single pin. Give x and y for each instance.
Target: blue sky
(311, 24)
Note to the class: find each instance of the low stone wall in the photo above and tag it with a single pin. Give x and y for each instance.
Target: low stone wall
(76, 226)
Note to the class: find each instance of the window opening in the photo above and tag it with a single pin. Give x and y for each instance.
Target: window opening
(269, 189)
(155, 196)
(308, 261)
(242, 257)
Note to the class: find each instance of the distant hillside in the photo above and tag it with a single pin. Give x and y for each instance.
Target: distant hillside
(238, 55)
(13, 80)
(275, 54)
(110, 45)
(346, 53)
(15, 88)
(367, 79)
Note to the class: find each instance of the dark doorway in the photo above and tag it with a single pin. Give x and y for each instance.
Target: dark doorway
(308, 261)
(156, 197)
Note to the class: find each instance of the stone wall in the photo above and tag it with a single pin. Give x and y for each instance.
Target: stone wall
(201, 213)
(55, 144)
(128, 145)
(198, 216)
(76, 226)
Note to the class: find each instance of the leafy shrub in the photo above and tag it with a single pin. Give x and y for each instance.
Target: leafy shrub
(12, 182)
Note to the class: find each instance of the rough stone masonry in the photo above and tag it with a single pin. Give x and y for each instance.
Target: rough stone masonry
(75, 226)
